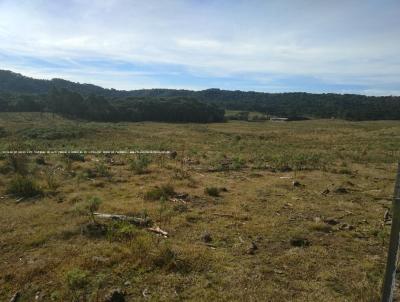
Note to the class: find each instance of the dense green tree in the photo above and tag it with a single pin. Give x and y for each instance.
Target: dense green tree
(95, 103)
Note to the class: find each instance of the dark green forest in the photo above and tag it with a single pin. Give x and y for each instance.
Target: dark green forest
(99, 108)
(86, 101)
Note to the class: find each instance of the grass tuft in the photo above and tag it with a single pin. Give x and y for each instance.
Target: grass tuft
(157, 193)
(22, 186)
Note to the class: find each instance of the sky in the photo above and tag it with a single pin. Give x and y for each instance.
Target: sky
(342, 46)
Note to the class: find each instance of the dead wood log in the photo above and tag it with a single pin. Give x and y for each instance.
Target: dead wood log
(178, 200)
(134, 220)
(157, 230)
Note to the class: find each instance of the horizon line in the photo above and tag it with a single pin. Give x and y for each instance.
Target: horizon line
(189, 89)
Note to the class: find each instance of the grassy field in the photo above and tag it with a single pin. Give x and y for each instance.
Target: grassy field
(261, 211)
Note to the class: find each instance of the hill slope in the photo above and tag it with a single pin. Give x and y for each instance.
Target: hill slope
(346, 106)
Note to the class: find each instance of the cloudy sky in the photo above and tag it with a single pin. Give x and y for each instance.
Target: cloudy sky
(343, 46)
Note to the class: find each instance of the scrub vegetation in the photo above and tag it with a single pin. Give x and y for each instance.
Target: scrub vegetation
(251, 211)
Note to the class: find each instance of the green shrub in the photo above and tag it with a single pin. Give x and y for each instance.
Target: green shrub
(237, 163)
(212, 191)
(40, 160)
(224, 163)
(102, 170)
(142, 246)
(140, 164)
(89, 173)
(50, 178)
(77, 279)
(24, 187)
(88, 207)
(121, 231)
(18, 163)
(157, 193)
(5, 169)
(167, 259)
(74, 157)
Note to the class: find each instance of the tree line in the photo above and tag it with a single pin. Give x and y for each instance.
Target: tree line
(99, 108)
(98, 103)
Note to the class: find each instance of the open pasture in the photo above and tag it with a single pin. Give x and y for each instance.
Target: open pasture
(260, 211)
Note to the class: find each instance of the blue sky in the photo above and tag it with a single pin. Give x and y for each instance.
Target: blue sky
(343, 46)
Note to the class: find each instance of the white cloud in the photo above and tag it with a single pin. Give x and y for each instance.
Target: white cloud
(334, 41)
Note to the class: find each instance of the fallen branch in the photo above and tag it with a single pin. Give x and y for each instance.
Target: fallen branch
(16, 297)
(18, 200)
(158, 231)
(134, 220)
(178, 200)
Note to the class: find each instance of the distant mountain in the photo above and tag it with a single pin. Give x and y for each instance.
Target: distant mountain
(327, 105)
(17, 83)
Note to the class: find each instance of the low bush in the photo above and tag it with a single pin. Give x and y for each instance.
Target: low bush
(237, 163)
(169, 260)
(51, 179)
(40, 160)
(88, 207)
(121, 231)
(75, 157)
(102, 170)
(212, 191)
(22, 186)
(18, 163)
(89, 173)
(140, 164)
(157, 193)
(76, 279)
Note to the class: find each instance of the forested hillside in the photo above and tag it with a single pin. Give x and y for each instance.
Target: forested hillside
(99, 108)
(19, 93)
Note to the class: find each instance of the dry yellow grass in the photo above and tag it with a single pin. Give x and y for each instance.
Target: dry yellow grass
(44, 252)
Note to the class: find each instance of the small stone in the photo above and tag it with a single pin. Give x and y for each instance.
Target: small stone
(127, 283)
(206, 237)
(115, 295)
